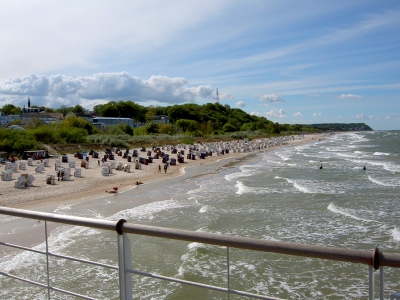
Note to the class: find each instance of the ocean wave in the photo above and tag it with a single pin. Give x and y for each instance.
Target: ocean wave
(396, 234)
(313, 186)
(204, 209)
(147, 211)
(243, 189)
(282, 156)
(61, 238)
(376, 181)
(386, 165)
(346, 212)
(246, 171)
(381, 153)
(233, 176)
(357, 138)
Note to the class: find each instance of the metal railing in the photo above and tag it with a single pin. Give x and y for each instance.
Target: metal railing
(373, 259)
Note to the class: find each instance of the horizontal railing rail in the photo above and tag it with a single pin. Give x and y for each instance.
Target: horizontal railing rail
(374, 258)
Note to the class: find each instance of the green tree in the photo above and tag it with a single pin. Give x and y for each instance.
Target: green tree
(151, 127)
(10, 109)
(248, 127)
(228, 127)
(166, 128)
(151, 112)
(187, 125)
(77, 109)
(34, 123)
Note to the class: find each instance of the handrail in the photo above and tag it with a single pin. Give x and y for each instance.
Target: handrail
(374, 258)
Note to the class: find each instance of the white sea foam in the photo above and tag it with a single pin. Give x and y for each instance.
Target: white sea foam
(396, 234)
(300, 187)
(357, 138)
(313, 186)
(147, 211)
(376, 181)
(381, 153)
(346, 212)
(388, 166)
(245, 171)
(204, 209)
(282, 156)
(242, 189)
(233, 176)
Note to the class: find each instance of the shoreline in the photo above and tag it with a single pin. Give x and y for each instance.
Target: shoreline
(93, 184)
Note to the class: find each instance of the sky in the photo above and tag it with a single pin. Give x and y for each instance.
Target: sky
(295, 62)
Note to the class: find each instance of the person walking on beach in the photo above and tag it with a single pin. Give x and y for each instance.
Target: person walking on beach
(165, 167)
(159, 168)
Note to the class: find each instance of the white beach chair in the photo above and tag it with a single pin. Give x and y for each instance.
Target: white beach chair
(6, 175)
(11, 166)
(29, 180)
(127, 168)
(39, 168)
(20, 183)
(22, 165)
(57, 165)
(30, 162)
(104, 171)
(72, 164)
(46, 162)
(51, 179)
(112, 165)
(67, 174)
(78, 172)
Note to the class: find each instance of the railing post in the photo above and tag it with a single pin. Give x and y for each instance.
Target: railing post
(124, 262)
(47, 260)
(381, 283)
(227, 272)
(371, 282)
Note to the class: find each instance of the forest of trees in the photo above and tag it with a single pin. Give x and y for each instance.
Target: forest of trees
(187, 120)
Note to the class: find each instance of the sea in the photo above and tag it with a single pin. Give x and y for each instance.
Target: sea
(283, 194)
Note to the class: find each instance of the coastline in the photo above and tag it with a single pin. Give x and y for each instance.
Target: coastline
(93, 184)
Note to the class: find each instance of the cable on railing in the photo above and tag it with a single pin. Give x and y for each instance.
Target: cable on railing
(375, 258)
(119, 225)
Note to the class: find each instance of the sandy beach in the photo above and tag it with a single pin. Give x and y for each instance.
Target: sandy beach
(93, 184)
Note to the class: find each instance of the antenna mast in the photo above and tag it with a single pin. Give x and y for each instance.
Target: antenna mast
(217, 97)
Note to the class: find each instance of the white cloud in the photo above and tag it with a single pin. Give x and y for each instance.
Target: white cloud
(272, 98)
(225, 96)
(363, 117)
(298, 114)
(105, 86)
(274, 113)
(350, 96)
(313, 95)
(255, 113)
(387, 118)
(240, 104)
(317, 114)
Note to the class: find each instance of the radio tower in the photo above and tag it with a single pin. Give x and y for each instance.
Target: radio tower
(217, 97)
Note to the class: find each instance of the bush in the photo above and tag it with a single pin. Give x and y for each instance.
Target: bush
(72, 135)
(17, 141)
(46, 135)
